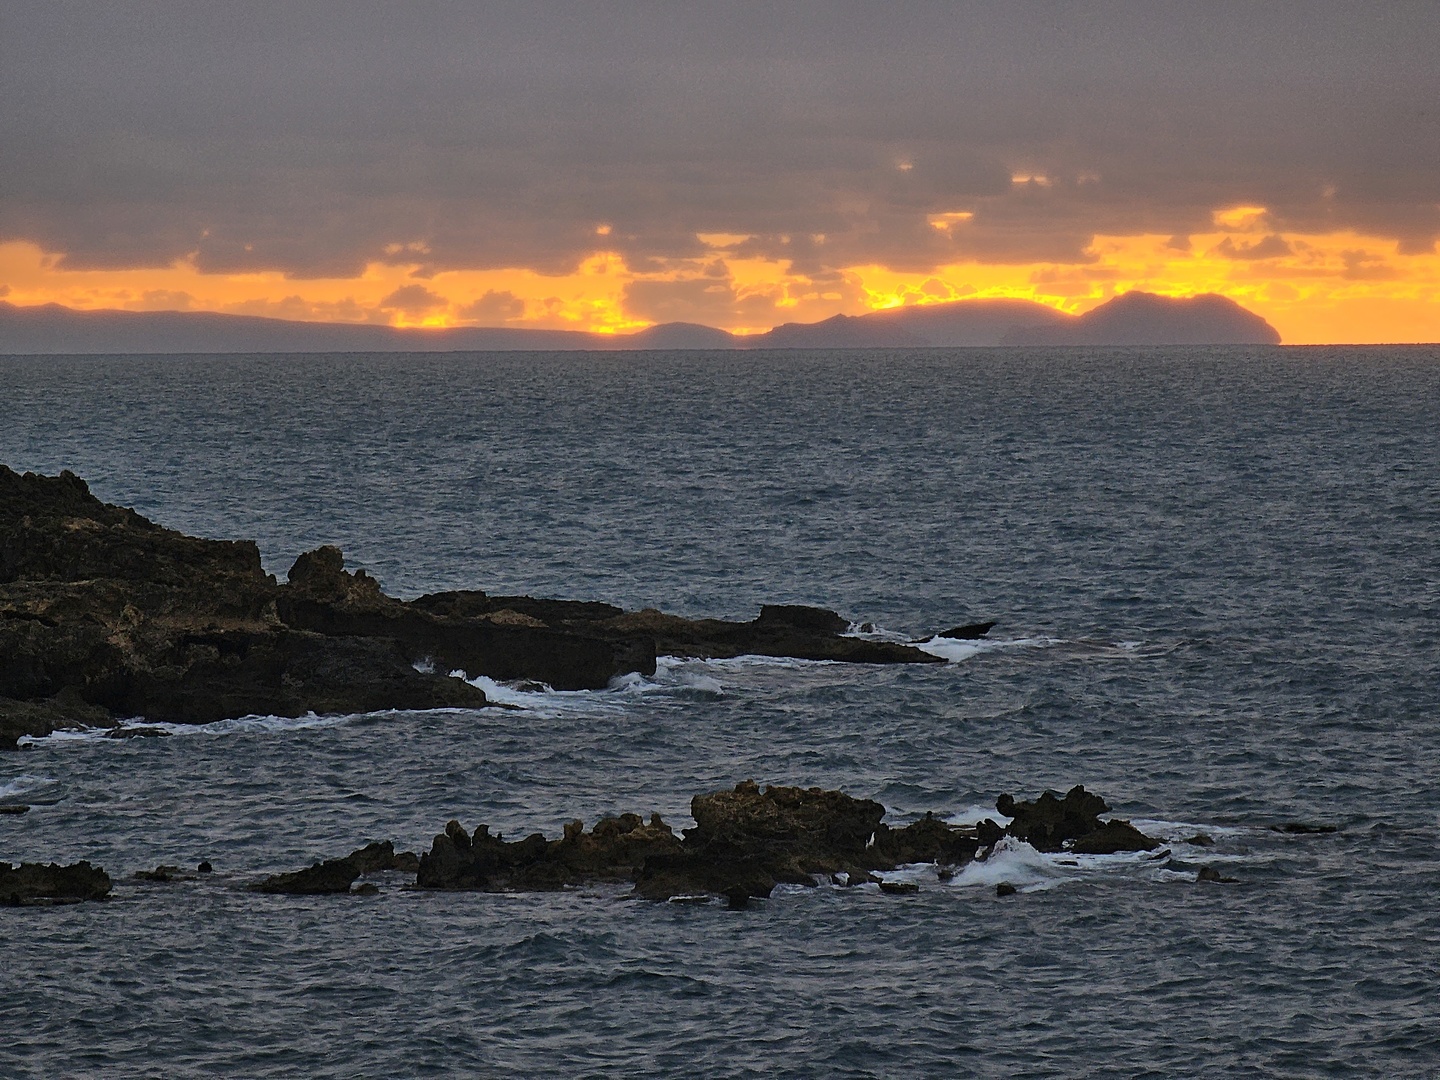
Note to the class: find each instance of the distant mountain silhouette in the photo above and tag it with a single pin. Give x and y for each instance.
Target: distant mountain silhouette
(678, 335)
(968, 322)
(52, 328)
(1140, 318)
(1133, 319)
(836, 332)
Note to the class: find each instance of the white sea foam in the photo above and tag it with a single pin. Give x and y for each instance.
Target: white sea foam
(955, 650)
(973, 815)
(752, 660)
(1017, 863)
(1012, 861)
(1178, 831)
(544, 701)
(239, 725)
(23, 785)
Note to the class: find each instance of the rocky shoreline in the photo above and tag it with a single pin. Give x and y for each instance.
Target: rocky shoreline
(745, 842)
(106, 615)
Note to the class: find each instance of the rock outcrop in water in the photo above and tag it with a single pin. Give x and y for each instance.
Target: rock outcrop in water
(105, 614)
(337, 875)
(748, 840)
(1072, 823)
(744, 843)
(37, 883)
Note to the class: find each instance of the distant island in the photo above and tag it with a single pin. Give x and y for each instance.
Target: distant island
(1135, 318)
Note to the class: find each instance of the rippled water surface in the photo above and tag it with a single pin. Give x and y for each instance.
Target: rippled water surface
(1216, 575)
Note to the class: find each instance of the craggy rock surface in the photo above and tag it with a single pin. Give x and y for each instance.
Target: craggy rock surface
(105, 614)
(745, 842)
(330, 876)
(1072, 823)
(337, 875)
(36, 883)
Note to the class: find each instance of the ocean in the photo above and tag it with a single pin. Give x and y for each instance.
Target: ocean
(1215, 575)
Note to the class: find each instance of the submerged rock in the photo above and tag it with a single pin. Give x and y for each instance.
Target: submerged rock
(32, 883)
(968, 632)
(899, 888)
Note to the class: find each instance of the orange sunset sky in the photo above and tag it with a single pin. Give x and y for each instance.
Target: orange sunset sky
(1322, 288)
(605, 169)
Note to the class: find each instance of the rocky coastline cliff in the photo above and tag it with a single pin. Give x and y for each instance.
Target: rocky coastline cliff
(105, 615)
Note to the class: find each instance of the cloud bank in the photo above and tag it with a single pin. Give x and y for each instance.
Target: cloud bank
(317, 140)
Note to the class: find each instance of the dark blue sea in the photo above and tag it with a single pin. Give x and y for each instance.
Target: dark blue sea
(1216, 580)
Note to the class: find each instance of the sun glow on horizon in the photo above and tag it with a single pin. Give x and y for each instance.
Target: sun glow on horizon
(1314, 288)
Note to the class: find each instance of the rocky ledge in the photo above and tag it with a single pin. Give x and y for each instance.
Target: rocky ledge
(744, 843)
(105, 614)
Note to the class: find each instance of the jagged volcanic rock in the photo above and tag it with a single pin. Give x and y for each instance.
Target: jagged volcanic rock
(744, 843)
(1051, 823)
(104, 614)
(613, 851)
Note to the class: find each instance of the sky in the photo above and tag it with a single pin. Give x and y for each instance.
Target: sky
(608, 165)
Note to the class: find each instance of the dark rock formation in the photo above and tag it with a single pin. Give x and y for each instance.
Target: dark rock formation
(613, 851)
(926, 840)
(782, 633)
(330, 876)
(337, 875)
(899, 888)
(105, 614)
(41, 717)
(1073, 823)
(381, 855)
(1301, 828)
(744, 843)
(33, 883)
(504, 638)
(968, 632)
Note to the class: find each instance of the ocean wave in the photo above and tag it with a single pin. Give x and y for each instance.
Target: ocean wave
(955, 650)
(24, 784)
(137, 728)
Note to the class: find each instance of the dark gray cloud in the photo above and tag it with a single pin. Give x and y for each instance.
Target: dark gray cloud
(494, 308)
(1271, 246)
(315, 137)
(412, 300)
